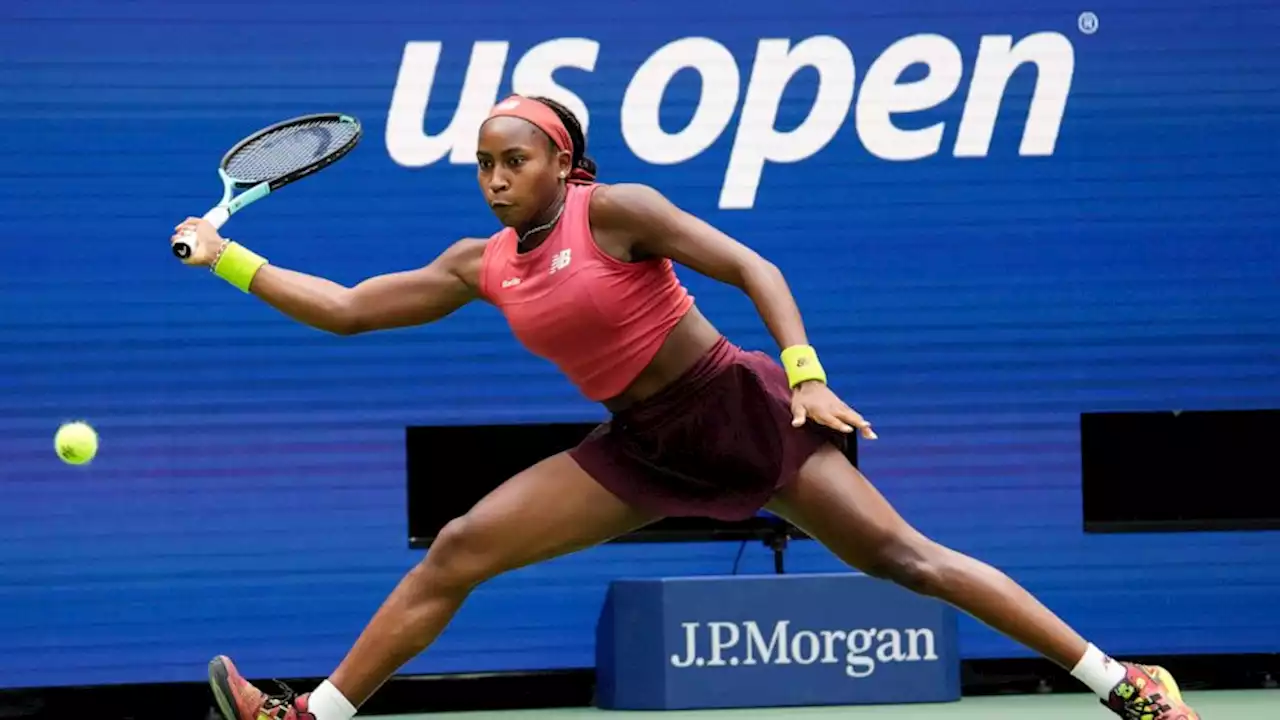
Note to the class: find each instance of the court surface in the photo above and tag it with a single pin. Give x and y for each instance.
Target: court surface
(1212, 705)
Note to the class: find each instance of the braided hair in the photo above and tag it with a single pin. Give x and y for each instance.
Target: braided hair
(583, 167)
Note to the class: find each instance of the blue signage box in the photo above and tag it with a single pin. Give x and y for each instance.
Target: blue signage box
(772, 641)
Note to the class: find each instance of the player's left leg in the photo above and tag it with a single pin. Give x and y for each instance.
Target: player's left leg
(835, 504)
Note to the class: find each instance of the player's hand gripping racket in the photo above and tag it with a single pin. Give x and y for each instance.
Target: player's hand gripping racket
(274, 157)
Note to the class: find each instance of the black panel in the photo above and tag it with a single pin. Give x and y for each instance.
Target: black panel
(1169, 471)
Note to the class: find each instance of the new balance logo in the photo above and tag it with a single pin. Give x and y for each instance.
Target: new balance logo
(510, 282)
(560, 261)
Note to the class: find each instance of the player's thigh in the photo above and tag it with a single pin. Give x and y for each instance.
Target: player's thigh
(550, 509)
(838, 506)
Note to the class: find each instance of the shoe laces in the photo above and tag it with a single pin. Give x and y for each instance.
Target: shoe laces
(284, 698)
(1145, 707)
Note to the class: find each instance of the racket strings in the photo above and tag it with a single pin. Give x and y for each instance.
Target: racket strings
(289, 149)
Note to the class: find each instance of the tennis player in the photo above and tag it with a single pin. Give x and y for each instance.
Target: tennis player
(583, 273)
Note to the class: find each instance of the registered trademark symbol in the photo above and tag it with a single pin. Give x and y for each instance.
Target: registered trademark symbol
(1088, 23)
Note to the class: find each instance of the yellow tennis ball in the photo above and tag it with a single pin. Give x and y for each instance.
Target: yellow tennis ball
(76, 443)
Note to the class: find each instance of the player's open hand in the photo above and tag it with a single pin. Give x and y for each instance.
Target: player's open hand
(208, 242)
(814, 401)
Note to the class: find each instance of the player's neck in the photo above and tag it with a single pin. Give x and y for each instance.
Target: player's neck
(540, 228)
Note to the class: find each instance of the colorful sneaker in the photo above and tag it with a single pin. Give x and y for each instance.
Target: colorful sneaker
(1148, 693)
(240, 700)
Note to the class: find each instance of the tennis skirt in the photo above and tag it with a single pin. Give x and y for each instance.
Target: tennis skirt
(718, 442)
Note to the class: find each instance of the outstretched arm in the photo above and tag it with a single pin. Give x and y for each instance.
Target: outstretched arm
(402, 299)
(659, 228)
(656, 227)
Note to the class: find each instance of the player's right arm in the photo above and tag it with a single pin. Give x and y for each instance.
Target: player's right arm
(395, 300)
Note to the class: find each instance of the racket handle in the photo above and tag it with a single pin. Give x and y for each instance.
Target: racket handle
(185, 247)
(217, 217)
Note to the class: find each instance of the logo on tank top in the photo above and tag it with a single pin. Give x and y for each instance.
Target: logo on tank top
(560, 261)
(511, 282)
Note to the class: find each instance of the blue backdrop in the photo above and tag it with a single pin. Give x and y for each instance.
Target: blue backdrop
(1113, 246)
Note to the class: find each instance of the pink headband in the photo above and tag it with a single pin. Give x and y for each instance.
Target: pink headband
(546, 120)
(542, 117)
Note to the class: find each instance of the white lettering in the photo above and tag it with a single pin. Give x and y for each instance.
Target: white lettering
(690, 646)
(866, 648)
(1055, 61)
(720, 643)
(643, 101)
(890, 646)
(858, 665)
(805, 655)
(534, 73)
(407, 140)
(882, 96)
(914, 636)
(758, 140)
(778, 641)
(829, 639)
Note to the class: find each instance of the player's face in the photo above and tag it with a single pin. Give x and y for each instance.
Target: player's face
(518, 169)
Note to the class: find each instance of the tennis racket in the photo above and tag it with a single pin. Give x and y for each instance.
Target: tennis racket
(273, 157)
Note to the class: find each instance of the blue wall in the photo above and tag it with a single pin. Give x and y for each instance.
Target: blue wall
(249, 494)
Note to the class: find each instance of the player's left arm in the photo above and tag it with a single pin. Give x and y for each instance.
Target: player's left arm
(657, 227)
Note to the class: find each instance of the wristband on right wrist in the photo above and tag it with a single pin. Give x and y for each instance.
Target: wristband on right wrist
(237, 265)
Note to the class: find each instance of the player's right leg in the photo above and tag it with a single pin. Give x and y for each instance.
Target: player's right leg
(551, 509)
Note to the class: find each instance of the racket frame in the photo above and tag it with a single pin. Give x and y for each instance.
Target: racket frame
(218, 215)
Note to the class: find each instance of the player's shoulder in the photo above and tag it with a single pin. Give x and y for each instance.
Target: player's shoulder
(623, 203)
(465, 251)
(468, 245)
(464, 259)
(615, 194)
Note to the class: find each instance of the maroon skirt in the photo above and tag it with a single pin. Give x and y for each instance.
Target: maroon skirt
(717, 442)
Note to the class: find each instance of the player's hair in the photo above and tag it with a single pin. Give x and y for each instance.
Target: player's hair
(580, 160)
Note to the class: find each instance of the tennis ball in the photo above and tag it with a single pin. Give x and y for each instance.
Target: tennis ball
(76, 443)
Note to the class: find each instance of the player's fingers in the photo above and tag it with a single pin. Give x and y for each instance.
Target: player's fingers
(853, 418)
(831, 420)
(864, 426)
(798, 414)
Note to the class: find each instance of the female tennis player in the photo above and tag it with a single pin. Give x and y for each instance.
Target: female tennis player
(583, 273)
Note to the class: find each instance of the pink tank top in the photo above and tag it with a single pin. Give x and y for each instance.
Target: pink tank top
(599, 319)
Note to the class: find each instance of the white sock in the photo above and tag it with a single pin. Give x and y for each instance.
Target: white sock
(327, 703)
(1095, 669)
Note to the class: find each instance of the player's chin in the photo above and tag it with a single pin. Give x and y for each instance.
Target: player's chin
(508, 215)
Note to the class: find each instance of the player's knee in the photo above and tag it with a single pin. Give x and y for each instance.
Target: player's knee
(463, 555)
(917, 565)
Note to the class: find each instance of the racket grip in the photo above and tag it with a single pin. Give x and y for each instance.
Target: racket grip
(185, 246)
(217, 217)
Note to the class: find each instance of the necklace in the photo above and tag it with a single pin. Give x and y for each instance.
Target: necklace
(540, 228)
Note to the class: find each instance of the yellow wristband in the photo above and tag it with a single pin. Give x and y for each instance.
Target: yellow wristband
(801, 364)
(238, 264)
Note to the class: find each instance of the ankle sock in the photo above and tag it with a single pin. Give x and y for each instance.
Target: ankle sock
(1096, 670)
(328, 703)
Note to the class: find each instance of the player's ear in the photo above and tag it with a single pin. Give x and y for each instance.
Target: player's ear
(564, 163)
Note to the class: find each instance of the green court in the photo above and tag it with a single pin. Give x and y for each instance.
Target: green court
(1212, 705)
